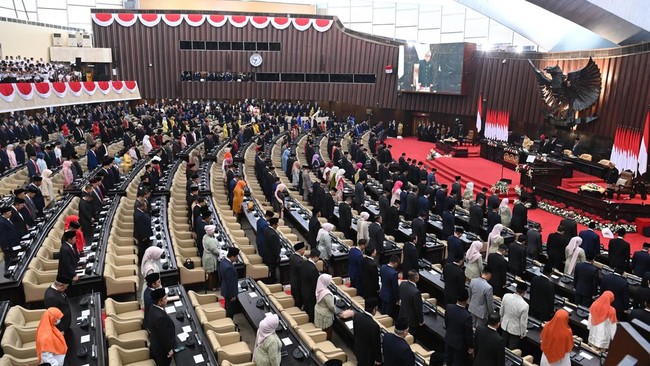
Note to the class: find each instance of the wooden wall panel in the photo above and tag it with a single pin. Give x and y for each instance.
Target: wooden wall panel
(508, 85)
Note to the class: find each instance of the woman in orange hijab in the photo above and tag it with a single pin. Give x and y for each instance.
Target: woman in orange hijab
(50, 344)
(602, 321)
(238, 197)
(557, 340)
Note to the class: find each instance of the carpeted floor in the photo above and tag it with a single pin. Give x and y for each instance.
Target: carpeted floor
(485, 173)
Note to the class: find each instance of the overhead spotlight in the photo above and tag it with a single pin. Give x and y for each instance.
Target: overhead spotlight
(519, 49)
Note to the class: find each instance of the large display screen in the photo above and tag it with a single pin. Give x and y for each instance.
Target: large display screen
(431, 68)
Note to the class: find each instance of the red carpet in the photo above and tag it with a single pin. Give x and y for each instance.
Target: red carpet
(485, 173)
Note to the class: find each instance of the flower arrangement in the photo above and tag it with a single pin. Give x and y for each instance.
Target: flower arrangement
(582, 217)
(500, 187)
(433, 155)
(526, 168)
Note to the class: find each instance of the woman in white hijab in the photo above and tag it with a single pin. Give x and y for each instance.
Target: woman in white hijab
(146, 144)
(362, 226)
(494, 240)
(324, 240)
(573, 254)
(505, 212)
(47, 188)
(210, 256)
(268, 347)
(468, 195)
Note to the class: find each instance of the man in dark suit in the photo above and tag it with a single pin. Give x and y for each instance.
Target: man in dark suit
(570, 226)
(499, 265)
(590, 240)
(87, 215)
(542, 296)
(456, 189)
(370, 274)
(314, 226)
(419, 229)
(489, 346)
(355, 257)
(376, 237)
(534, 242)
(39, 200)
(295, 262)
(492, 202)
(585, 280)
(619, 251)
(345, 217)
(519, 216)
(448, 221)
(517, 256)
(441, 195)
(412, 207)
(32, 168)
(459, 338)
(641, 314)
(476, 217)
(272, 248)
(199, 229)
(396, 350)
(260, 226)
(482, 195)
(18, 219)
(367, 335)
(493, 217)
(617, 284)
(411, 303)
(142, 231)
(68, 257)
(410, 256)
(556, 246)
(359, 194)
(9, 237)
(641, 260)
(228, 275)
(454, 278)
(455, 246)
(162, 331)
(391, 223)
(55, 297)
(389, 293)
(308, 279)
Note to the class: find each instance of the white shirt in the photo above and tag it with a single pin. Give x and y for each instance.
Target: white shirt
(600, 335)
(52, 358)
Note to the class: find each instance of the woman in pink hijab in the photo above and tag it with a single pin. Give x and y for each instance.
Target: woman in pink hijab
(12, 156)
(66, 170)
(397, 189)
(268, 347)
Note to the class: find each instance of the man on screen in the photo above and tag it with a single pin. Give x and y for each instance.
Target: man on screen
(423, 72)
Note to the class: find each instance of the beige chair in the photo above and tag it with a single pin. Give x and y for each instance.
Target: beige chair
(208, 302)
(9, 360)
(215, 321)
(586, 157)
(120, 280)
(123, 311)
(118, 356)
(191, 276)
(318, 342)
(20, 343)
(23, 318)
(126, 334)
(228, 363)
(35, 283)
(228, 346)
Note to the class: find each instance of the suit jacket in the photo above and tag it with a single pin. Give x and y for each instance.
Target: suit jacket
(31, 167)
(517, 258)
(585, 279)
(493, 202)
(162, 332)
(475, 218)
(641, 262)
(419, 229)
(369, 278)
(59, 300)
(590, 242)
(376, 237)
(272, 246)
(410, 260)
(619, 287)
(308, 279)
(514, 314)
(493, 219)
(455, 248)
(359, 195)
(412, 207)
(411, 304)
(481, 302)
(397, 351)
(489, 347)
(542, 298)
(367, 339)
(519, 218)
(8, 234)
(454, 278)
(389, 291)
(619, 253)
(641, 314)
(228, 275)
(499, 266)
(87, 213)
(354, 262)
(570, 227)
(448, 223)
(141, 226)
(458, 322)
(314, 226)
(68, 261)
(533, 243)
(345, 216)
(555, 248)
(18, 220)
(295, 262)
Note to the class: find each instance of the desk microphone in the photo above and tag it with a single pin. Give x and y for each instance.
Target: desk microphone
(198, 339)
(92, 322)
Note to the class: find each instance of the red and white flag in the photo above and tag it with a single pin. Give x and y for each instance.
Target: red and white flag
(643, 149)
(479, 123)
